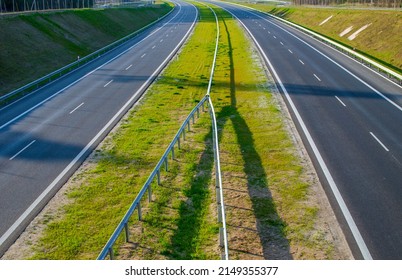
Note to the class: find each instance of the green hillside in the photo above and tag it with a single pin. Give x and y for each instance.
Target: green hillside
(33, 45)
(381, 39)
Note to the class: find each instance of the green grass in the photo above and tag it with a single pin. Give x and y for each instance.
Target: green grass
(37, 44)
(271, 210)
(381, 41)
(260, 160)
(101, 199)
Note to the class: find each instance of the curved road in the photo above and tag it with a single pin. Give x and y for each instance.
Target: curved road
(350, 119)
(45, 136)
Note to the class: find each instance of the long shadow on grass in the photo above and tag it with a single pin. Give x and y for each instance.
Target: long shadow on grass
(192, 212)
(270, 227)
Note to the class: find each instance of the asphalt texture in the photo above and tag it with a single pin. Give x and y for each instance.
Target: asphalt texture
(350, 119)
(46, 136)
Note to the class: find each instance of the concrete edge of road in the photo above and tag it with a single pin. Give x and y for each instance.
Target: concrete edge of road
(371, 64)
(38, 84)
(12, 234)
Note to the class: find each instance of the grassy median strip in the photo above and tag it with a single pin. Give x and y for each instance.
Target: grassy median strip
(271, 210)
(102, 193)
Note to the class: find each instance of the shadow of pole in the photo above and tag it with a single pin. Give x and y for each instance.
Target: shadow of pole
(269, 225)
(193, 211)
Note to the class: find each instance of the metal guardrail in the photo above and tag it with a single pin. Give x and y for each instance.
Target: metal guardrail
(223, 237)
(346, 50)
(37, 84)
(163, 162)
(223, 240)
(108, 248)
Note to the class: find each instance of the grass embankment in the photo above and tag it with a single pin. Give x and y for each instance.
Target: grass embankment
(381, 40)
(33, 45)
(272, 211)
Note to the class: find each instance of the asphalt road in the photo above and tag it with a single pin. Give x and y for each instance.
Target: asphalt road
(45, 136)
(350, 119)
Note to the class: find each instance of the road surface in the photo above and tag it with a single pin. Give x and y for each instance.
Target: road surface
(350, 119)
(45, 136)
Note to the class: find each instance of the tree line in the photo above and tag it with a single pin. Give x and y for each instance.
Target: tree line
(372, 3)
(36, 5)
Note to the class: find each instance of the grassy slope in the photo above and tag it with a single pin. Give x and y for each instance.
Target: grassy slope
(271, 208)
(381, 40)
(36, 44)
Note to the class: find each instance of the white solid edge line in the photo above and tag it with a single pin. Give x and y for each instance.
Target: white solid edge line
(83, 77)
(309, 33)
(88, 146)
(334, 62)
(345, 211)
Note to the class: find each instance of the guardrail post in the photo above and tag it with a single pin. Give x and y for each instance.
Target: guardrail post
(139, 211)
(221, 243)
(111, 253)
(218, 200)
(127, 233)
(149, 193)
(136, 205)
(188, 125)
(184, 134)
(178, 142)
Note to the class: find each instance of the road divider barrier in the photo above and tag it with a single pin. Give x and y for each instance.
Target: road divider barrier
(164, 161)
(156, 174)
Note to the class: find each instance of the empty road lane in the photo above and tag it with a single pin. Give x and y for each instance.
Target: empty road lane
(44, 137)
(350, 119)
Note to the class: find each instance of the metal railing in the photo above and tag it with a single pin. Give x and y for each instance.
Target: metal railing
(223, 240)
(163, 162)
(223, 237)
(37, 84)
(392, 75)
(146, 188)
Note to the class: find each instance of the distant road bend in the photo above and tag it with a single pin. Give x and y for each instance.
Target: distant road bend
(350, 119)
(45, 136)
